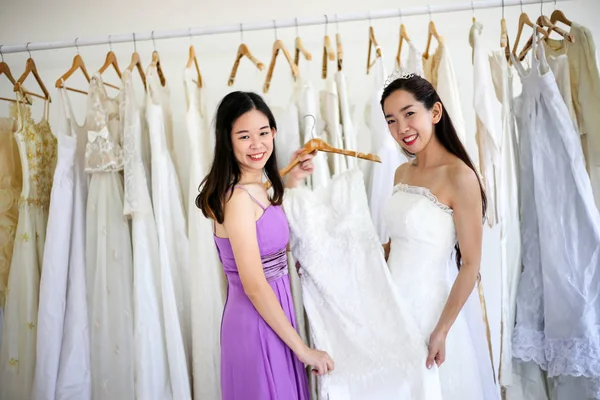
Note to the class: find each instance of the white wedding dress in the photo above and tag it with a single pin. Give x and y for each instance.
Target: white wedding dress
(422, 265)
(353, 310)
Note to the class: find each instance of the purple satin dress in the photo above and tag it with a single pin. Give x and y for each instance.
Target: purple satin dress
(255, 363)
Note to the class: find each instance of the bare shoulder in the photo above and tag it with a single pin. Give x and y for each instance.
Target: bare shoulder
(399, 175)
(463, 181)
(238, 201)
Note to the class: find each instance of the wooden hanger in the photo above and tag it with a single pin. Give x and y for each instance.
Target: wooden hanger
(136, 63)
(110, 61)
(77, 64)
(30, 68)
(277, 46)
(544, 21)
(243, 51)
(321, 145)
(5, 69)
(559, 16)
(524, 20)
(372, 43)
(431, 33)
(328, 53)
(156, 63)
(339, 50)
(403, 37)
(299, 48)
(192, 60)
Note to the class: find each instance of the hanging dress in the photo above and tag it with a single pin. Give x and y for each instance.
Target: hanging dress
(11, 183)
(487, 124)
(208, 283)
(347, 125)
(64, 346)
(172, 239)
(37, 151)
(382, 174)
(108, 251)
(439, 70)
(557, 312)
(152, 379)
(330, 112)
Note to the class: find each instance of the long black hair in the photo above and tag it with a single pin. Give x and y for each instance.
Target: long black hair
(225, 172)
(444, 131)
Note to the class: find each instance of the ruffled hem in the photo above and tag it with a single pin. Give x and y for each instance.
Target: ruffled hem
(570, 356)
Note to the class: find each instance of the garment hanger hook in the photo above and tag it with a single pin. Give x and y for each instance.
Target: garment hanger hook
(521, 2)
(502, 9)
(326, 24)
(473, 8)
(312, 129)
(555, 4)
(429, 11)
(242, 33)
(134, 43)
(109, 43)
(77, 45)
(370, 22)
(190, 33)
(400, 15)
(153, 42)
(296, 21)
(1, 55)
(337, 23)
(275, 29)
(27, 47)
(542, 7)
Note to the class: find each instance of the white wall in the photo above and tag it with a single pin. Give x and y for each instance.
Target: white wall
(42, 20)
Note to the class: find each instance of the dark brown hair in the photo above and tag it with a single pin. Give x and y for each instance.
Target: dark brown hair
(445, 132)
(225, 172)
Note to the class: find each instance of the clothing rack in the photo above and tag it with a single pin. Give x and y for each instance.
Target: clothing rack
(273, 24)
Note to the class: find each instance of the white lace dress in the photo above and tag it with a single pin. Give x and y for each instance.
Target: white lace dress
(353, 310)
(172, 239)
(422, 265)
(108, 251)
(209, 285)
(558, 313)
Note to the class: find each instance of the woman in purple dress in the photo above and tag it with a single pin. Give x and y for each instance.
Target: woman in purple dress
(262, 355)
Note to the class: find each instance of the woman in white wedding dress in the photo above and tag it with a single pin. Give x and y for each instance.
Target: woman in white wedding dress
(436, 212)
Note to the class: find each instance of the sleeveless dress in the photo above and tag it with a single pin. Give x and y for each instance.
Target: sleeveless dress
(421, 261)
(37, 150)
(255, 363)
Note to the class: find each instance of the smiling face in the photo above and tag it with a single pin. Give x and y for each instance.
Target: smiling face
(252, 140)
(411, 124)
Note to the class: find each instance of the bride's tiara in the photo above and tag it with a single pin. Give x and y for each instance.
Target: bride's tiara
(397, 75)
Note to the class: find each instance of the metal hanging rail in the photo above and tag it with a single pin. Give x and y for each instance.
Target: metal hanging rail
(266, 25)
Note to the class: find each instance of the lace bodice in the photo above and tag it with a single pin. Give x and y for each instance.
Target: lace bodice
(37, 148)
(103, 152)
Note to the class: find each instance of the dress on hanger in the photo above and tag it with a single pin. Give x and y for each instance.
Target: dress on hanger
(354, 311)
(255, 363)
(208, 283)
(37, 151)
(508, 211)
(585, 91)
(384, 145)
(54, 281)
(488, 126)
(414, 61)
(422, 265)
(169, 214)
(557, 312)
(311, 126)
(287, 138)
(348, 132)
(439, 70)
(11, 183)
(152, 379)
(108, 251)
(330, 112)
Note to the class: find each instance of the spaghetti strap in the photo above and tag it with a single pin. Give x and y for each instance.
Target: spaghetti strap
(252, 197)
